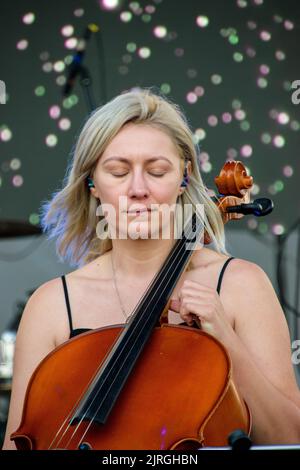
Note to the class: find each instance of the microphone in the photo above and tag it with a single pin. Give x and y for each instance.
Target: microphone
(259, 207)
(76, 67)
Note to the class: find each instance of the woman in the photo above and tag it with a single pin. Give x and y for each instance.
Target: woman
(139, 147)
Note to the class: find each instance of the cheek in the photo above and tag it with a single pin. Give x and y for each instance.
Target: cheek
(165, 192)
(108, 193)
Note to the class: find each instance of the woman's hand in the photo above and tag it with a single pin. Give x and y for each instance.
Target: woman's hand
(203, 304)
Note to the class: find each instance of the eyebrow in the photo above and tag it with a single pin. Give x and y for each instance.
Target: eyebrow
(125, 160)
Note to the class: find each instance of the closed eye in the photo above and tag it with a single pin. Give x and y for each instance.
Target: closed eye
(158, 175)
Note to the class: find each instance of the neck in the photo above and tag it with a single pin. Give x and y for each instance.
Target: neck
(139, 259)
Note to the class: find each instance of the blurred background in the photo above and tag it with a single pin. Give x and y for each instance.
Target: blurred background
(231, 66)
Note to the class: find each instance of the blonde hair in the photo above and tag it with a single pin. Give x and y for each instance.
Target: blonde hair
(70, 216)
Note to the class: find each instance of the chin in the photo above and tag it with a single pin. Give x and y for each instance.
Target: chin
(139, 230)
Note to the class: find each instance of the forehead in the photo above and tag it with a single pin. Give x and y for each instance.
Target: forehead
(141, 139)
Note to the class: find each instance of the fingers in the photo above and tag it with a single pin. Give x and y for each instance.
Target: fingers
(181, 308)
(189, 311)
(195, 301)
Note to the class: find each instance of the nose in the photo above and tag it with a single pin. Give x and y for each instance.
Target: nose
(138, 187)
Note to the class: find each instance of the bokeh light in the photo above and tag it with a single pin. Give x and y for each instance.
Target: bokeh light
(64, 124)
(280, 55)
(165, 88)
(40, 90)
(288, 171)
(79, 12)
(22, 44)
(59, 66)
(226, 118)
(265, 35)
(278, 229)
(54, 111)
(246, 151)
(34, 219)
(28, 18)
(51, 140)
(5, 134)
(160, 31)
(126, 16)
(144, 52)
(216, 79)
(278, 141)
(202, 21)
(109, 4)
(67, 30)
(283, 118)
(212, 120)
(15, 164)
(47, 67)
(71, 43)
(191, 97)
(17, 181)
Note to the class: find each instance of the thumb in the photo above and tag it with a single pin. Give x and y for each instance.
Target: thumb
(175, 305)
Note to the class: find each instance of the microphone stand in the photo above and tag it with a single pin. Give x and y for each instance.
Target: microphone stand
(77, 68)
(86, 85)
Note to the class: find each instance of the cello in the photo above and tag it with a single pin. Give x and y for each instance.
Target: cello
(127, 386)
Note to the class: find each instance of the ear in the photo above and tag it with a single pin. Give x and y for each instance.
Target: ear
(94, 192)
(189, 172)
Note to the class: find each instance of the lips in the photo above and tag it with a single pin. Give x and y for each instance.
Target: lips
(139, 211)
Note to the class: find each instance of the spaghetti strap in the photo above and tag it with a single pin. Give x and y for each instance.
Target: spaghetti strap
(222, 273)
(67, 303)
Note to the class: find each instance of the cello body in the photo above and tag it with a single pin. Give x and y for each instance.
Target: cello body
(180, 396)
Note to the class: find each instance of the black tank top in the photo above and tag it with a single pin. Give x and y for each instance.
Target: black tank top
(78, 331)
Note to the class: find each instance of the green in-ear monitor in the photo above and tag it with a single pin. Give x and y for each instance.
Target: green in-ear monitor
(90, 182)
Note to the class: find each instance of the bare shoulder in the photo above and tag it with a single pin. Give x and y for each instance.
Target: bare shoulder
(239, 268)
(247, 284)
(245, 287)
(46, 292)
(48, 304)
(46, 311)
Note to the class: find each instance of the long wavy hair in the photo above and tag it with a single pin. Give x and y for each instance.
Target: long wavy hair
(70, 217)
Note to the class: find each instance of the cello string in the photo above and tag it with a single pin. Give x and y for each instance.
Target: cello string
(112, 381)
(72, 411)
(95, 397)
(103, 398)
(83, 393)
(88, 384)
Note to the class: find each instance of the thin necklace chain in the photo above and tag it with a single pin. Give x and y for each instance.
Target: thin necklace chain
(117, 291)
